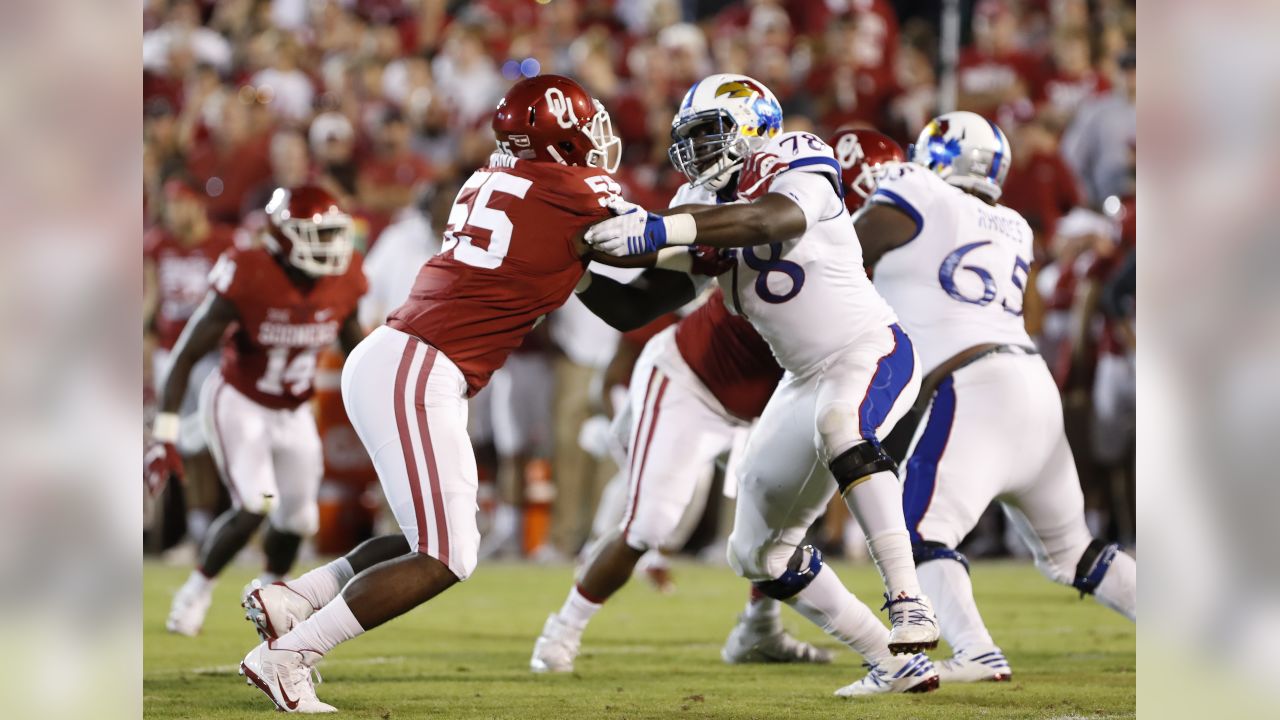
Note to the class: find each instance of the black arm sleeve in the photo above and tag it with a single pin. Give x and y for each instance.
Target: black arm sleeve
(627, 306)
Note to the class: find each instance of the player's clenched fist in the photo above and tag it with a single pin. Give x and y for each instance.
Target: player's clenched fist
(635, 231)
(162, 460)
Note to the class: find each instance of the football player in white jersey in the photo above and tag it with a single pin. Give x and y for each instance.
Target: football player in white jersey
(953, 263)
(850, 374)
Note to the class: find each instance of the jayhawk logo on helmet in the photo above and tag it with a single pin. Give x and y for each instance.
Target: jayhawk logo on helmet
(942, 150)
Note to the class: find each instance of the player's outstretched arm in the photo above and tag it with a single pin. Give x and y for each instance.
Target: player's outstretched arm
(199, 338)
(772, 218)
(627, 306)
(882, 228)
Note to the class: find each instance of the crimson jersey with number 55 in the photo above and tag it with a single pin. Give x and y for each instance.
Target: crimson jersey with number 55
(270, 352)
(509, 257)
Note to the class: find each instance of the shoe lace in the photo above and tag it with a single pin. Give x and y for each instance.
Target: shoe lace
(916, 615)
(875, 673)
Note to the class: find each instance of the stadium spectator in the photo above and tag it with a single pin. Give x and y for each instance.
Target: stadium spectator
(1100, 143)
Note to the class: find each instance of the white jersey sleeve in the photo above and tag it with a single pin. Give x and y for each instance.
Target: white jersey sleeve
(786, 154)
(815, 196)
(908, 187)
(689, 195)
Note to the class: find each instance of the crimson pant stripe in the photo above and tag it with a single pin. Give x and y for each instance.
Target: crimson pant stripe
(648, 441)
(635, 437)
(406, 442)
(635, 443)
(433, 474)
(222, 445)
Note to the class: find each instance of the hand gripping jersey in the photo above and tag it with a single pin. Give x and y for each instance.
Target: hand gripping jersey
(809, 297)
(507, 260)
(729, 357)
(182, 277)
(959, 281)
(270, 353)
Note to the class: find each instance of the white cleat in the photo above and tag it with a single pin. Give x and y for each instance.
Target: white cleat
(190, 605)
(556, 648)
(767, 642)
(895, 674)
(274, 609)
(914, 627)
(983, 666)
(285, 677)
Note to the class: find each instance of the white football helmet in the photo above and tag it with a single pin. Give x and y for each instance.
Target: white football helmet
(966, 150)
(722, 119)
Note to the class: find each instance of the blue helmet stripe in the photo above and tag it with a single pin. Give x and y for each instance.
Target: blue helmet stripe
(995, 161)
(688, 99)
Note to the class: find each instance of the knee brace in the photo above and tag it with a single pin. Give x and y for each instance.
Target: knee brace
(928, 550)
(860, 462)
(803, 566)
(1093, 566)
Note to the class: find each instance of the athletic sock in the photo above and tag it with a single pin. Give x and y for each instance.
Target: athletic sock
(949, 589)
(877, 504)
(323, 584)
(578, 610)
(827, 603)
(762, 610)
(330, 625)
(1119, 587)
(197, 581)
(198, 522)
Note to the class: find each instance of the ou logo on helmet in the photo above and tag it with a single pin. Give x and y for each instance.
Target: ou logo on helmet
(561, 108)
(849, 151)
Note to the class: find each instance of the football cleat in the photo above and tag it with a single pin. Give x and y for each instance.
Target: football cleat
(556, 647)
(767, 642)
(895, 674)
(914, 627)
(985, 666)
(190, 605)
(285, 677)
(274, 609)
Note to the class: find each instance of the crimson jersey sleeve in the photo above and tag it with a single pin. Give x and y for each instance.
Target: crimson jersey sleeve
(508, 258)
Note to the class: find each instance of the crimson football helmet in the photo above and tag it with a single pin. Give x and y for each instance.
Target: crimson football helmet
(863, 156)
(307, 229)
(550, 118)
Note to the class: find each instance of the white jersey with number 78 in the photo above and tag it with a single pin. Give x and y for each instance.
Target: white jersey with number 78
(808, 297)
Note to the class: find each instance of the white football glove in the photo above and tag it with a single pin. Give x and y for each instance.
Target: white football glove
(635, 231)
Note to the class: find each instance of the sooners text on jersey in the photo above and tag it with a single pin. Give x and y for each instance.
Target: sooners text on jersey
(270, 352)
(508, 258)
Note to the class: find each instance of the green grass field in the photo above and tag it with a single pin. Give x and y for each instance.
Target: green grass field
(466, 654)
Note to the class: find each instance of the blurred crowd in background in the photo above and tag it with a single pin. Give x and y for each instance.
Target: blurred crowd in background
(387, 104)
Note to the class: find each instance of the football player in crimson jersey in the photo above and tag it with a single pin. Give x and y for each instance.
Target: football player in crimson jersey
(797, 266)
(272, 309)
(177, 257)
(512, 252)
